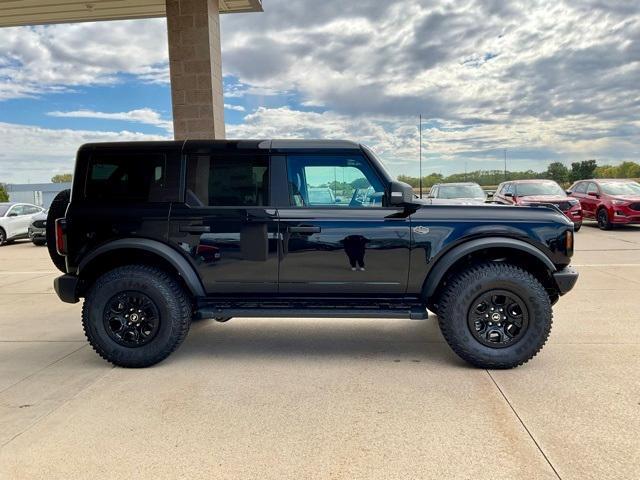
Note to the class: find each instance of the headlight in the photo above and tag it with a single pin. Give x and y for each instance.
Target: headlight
(620, 202)
(573, 201)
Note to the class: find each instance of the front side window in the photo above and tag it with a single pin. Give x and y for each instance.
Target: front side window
(127, 177)
(592, 188)
(17, 210)
(227, 180)
(333, 181)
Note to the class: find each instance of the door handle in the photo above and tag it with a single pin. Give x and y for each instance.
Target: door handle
(308, 229)
(195, 228)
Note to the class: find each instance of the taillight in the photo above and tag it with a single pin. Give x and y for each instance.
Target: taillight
(61, 236)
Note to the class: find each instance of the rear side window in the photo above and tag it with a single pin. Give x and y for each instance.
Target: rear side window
(227, 180)
(128, 177)
(580, 188)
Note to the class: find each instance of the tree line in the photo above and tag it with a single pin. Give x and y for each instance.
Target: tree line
(555, 171)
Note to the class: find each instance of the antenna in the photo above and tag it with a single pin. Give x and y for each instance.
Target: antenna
(505, 164)
(420, 130)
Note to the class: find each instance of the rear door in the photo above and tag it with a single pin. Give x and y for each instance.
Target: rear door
(226, 224)
(355, 245)
(591, 200)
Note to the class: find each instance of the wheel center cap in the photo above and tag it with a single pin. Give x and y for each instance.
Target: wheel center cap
(495, 317)
(134, 317)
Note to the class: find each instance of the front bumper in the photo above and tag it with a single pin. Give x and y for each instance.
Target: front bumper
(66, 286)
(565, 279)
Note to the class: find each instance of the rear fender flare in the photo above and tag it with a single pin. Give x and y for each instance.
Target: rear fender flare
(177, 260)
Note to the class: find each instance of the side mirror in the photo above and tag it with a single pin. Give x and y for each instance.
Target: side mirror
(568, 192)
(593, 194)
(400, 193)
(508, 194)
(13, 214)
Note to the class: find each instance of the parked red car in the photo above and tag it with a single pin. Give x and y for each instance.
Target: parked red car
(610, 202)
(528, 192)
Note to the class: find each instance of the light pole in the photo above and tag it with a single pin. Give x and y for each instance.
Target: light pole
(420, 168)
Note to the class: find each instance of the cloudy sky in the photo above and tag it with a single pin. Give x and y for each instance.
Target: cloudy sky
(546, 80)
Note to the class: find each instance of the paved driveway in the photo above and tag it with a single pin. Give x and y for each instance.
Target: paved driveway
(285, 398)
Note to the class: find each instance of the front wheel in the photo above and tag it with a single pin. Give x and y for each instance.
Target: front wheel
(495, 315)
(603, 219)
(39, 242)
(3, 237)
(136, 316)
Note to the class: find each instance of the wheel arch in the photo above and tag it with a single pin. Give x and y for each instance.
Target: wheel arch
(498, 249)
(139, 251)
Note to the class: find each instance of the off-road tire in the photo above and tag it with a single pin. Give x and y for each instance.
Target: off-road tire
(457, 300)
(3, 237)
(170, 299)
(58, 209)
(602, 218)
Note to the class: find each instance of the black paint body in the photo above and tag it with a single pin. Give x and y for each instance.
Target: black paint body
(282, 253)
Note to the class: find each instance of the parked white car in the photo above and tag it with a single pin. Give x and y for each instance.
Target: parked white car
(15, 219)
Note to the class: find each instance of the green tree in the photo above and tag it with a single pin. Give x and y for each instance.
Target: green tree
(4, 196)
(557, 171)
(62, 178)
(582, 170)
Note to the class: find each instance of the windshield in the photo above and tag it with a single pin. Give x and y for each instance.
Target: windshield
(3, 209)
(460, 191)
(542, 188)
(618, 188)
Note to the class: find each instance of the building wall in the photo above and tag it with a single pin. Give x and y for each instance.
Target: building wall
(41, 194)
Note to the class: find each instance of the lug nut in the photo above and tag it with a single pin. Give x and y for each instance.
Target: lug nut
(490, 323)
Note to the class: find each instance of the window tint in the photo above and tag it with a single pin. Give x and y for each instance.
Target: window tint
(333, 181)
(227, 180)
(30, 210)
(592, 188)
(17, 210)
(128, 177)
(580, 188)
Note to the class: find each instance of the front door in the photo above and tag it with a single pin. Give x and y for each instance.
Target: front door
(225, 224)
(338, 236)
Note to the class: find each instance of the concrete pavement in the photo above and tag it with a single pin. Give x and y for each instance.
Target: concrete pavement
(286, 398)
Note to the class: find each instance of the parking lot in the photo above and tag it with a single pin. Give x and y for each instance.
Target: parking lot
(287, 398)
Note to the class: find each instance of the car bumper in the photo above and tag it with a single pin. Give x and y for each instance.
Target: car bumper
(565, 279)
(66, 286)
(37, 233)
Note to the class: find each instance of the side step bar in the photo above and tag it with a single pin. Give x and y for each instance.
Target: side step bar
(413, 313)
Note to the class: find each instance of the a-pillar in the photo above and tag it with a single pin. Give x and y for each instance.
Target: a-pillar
(195, 63)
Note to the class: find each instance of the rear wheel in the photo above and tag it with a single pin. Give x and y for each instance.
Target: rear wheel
(577, 228)
(495, 315)
(58, 209)
(136, 316)
(603, 219)
(3, 237)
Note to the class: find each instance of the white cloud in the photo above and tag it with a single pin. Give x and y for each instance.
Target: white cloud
(145, 116)
(36, 154)
(43, 59)
(237, 108)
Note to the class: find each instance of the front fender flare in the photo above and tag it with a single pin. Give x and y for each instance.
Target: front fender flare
(178, 261)
(439, 270)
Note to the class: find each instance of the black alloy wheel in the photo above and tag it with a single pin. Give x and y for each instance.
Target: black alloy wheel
(603, 219)
(498, 318)
(131, 319)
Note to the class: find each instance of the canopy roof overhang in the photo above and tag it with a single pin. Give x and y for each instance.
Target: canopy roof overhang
(37, 12)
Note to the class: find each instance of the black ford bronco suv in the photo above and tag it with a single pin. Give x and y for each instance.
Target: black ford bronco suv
(154, 234)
